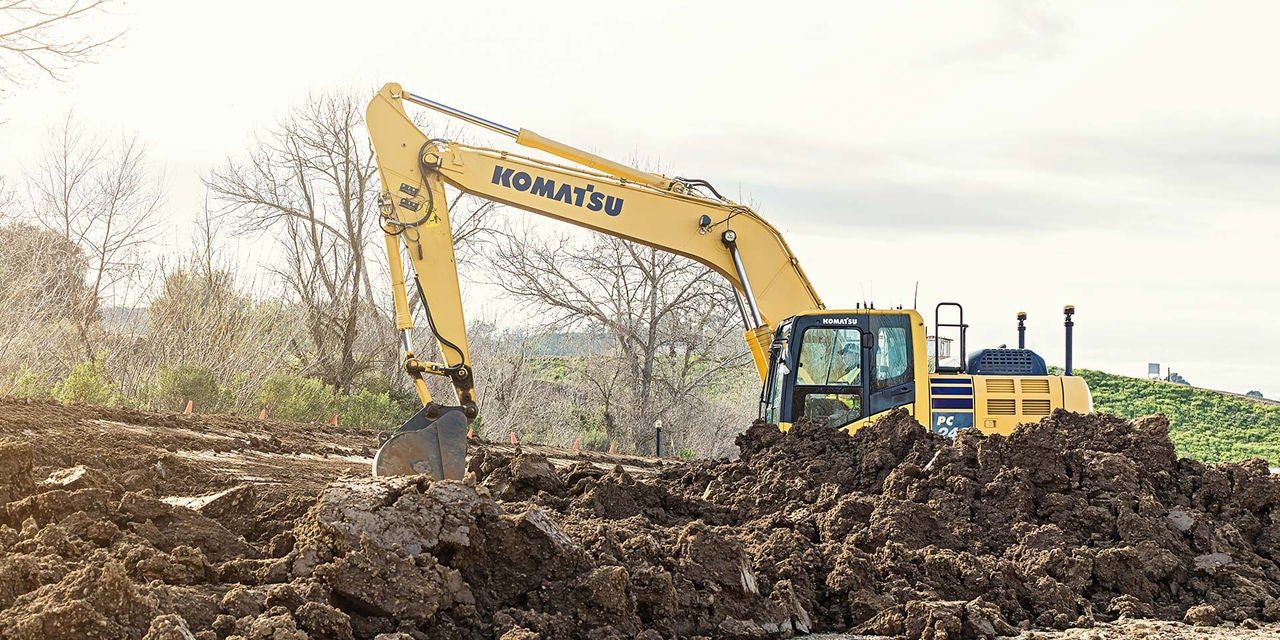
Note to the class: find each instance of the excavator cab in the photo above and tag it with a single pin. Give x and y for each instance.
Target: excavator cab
(844, 367)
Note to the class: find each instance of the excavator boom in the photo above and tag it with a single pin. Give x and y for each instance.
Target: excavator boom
(671, 214)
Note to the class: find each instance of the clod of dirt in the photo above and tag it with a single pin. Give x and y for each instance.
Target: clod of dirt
(16, 478)
(1202, 615)
(324, 621)
(82, 477)
(520, 633)
(93, 602)
(169, 627)
(374, 581)
(409, 514)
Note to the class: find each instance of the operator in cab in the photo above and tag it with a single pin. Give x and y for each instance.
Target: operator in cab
(849, 355)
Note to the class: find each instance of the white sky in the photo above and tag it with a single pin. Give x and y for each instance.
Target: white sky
(1121, 157)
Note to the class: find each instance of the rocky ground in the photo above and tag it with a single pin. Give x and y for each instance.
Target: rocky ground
(124, 524)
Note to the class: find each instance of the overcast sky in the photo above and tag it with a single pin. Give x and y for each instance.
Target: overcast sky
(1121, 157)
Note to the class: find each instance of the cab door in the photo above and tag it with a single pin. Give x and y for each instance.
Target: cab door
(892, 381)
(826, 364)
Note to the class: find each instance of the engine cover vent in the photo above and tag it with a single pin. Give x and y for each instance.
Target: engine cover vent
(1007, 362)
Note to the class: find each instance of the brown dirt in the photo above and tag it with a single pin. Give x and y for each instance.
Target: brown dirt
(125, 524)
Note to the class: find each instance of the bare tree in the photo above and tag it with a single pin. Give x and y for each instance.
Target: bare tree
(39, 271)
(671, 320)
(48, 36)
(312, 182)
(103, 197)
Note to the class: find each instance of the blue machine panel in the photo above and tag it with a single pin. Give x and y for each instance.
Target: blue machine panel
(949, 423)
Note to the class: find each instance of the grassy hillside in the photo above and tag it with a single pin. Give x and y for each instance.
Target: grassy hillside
(1205, 425)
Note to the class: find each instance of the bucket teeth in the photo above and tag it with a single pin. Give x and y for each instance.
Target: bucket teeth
(436, 447)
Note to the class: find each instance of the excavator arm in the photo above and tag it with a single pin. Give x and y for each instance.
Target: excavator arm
(671, 214)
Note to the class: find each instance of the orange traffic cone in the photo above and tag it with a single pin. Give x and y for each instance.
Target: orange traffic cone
(335, 419)
(190, 405)
(610, 448)
(471, 433)
(262, 415)
(513, 438)
(576, 444)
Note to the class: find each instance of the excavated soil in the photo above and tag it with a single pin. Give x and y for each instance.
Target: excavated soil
(124, 524)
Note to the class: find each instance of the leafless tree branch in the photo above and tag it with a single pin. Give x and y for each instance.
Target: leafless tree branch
(46, 35)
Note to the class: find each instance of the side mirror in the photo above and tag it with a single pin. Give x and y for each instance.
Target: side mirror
(868, 341)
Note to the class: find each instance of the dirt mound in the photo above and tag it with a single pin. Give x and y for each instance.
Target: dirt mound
(1069, 522)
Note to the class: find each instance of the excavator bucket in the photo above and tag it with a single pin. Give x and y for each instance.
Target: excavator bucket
(423, 445)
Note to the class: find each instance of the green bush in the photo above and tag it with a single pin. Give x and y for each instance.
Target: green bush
(88, 384)
(175, 386)
(686, 453)
(28, 384)
(595, 441)
(290, 397)
(368, 409)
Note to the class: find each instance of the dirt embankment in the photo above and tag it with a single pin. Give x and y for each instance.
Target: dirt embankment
(117, 524)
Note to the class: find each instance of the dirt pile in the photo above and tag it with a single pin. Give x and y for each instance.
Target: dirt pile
(1067, 521)
(895, 531)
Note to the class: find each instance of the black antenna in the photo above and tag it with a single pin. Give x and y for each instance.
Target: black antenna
(915, 297)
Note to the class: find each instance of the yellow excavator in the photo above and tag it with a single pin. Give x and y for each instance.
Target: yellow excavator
(845, 366)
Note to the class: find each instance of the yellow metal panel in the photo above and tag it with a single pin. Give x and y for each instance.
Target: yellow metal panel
(1001, 403)
(1075, 395)
(759, 341)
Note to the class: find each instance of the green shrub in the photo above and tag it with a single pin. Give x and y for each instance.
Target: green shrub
(595, 441)
(686, 453)
(175, 386)
(290, 397)
(28, 384)
(368, 409)
(88, 384)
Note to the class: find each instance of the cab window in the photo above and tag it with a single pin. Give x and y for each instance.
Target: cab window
(893, 352)
(830, 356)
(829, 376)
(839, 409)
(771, 396)
(773, 392)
